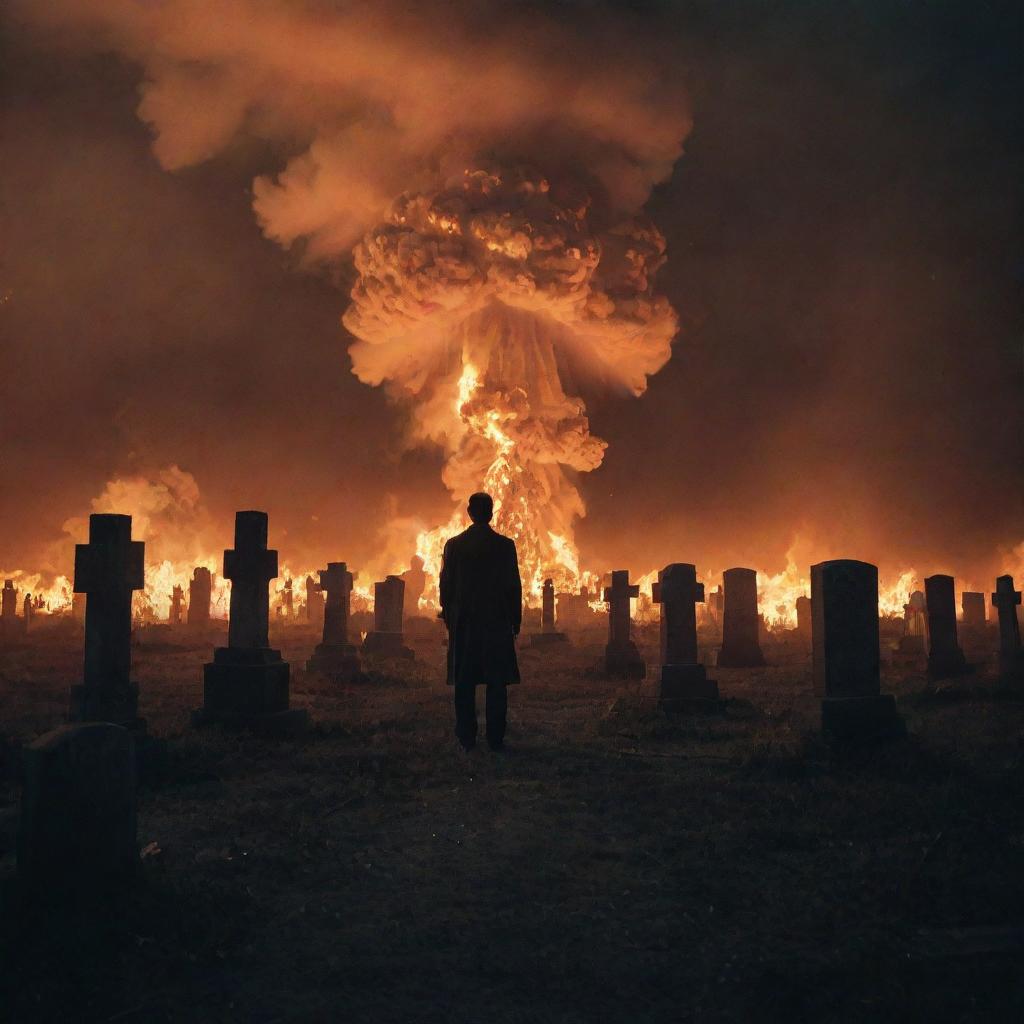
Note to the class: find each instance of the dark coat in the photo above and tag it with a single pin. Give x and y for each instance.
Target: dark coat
(482, 605)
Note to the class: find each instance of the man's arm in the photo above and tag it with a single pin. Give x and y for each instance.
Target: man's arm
(446, 582)
(515, 589)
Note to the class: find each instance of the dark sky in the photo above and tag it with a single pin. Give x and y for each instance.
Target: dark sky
(844, 236)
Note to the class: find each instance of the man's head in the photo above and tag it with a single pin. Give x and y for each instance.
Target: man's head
(481, 507)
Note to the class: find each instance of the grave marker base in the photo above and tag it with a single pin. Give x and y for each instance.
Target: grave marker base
(339, 662)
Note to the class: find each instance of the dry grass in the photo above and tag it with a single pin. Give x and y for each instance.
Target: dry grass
(617, 865)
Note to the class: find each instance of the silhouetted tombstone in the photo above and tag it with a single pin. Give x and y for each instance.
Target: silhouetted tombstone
(200, 591)
(945, 659)
(386, 639)
(288, 600)
(77, 825)
(177, 601)
(683, 679)
(844, 609)
(740, 646)
(1005, 600)
(246, 684)
(804, 627)
(621, 657)
(9, 624)
(28, 612)
(549, 633)
(107, 570)
(314, 602)
(335, 657)
(912, 647)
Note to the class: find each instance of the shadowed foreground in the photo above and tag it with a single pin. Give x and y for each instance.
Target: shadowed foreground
(617, 864)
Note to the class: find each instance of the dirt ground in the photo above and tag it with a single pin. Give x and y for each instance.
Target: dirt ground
(617, 864)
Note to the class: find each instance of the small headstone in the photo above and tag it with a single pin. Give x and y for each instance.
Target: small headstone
(314, 602)
(9, 624)
(246, 684)
(29, 610)
(1006, 600)
(77, 826)
(621, 657)
(336, 658)
(684, 680)
(804, 629)
(200, 592)
(549, 633)
(740, 645)
(107, 570)
(844, 608)
(177, 604)
(945, 658)
(386, 640)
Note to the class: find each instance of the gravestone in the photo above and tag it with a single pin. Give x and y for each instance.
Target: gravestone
(28, 611)
(107, 570)
(77, 826)
(246, 684)
(386, 639)
(740, 621)
(314, 602)
(574, 609)
(1006, 600)
(177, 601)
(945, 659)
(846, 669)
(200, 592)
(684, 680)
(716, 606)
(288, 601)
(335, 657)
(549, 633)
(804, 627)
(912, 648)
(621, 657)
(9, 624)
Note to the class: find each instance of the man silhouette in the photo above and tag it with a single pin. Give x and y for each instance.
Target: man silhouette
(482, 606)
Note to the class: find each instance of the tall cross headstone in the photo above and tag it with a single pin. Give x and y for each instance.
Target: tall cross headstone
(740, 645)
(621, 657)
(846, 658)
(683, 678)
(177, 600)
(1006, 600)
(246, 684)
(945, 658)
(549, 632)
(336, 657)
(107, 570)
(200, 591)
(386, 640)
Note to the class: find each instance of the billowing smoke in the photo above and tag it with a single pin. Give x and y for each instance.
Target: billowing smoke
(475, 285)
(467, 300)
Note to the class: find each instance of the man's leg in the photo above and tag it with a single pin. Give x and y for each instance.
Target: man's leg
(465, 714)
(497, 713)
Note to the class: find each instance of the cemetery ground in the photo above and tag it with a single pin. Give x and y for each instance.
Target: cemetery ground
(617, 864)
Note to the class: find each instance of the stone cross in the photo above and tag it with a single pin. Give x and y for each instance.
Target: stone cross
(1005, 600)
(683, 678)
(945, 658)
(177, 600)
(77, 830)
(621, 655)
(107, 570)
(247, 683)
(740, 645)
(386, 638)
(335, 657)
(846, 669)
(200, 591)
(250, 566)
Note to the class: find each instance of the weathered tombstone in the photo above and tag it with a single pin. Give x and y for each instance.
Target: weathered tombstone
(77, 826)
(684, 680)
(246, 684)
(9, 625)
(549, 633)
(107, 570)
(200, 591)
(945, 659)
(315, 602)
(844, 609)
(804, 628)
(336, 658)
(740, 646)
(912, 648)
(386, 639)
(621, 657)
(177, 600)
(1011, 658)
